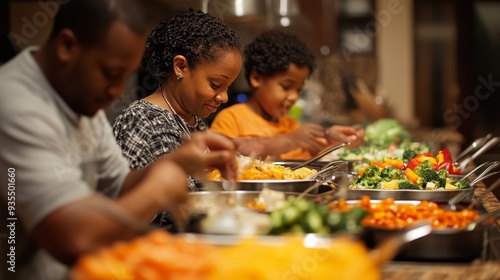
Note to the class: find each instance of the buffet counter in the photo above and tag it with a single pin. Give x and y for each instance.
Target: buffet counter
(478, 269)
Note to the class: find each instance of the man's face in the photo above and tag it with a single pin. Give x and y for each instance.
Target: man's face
(97, 75)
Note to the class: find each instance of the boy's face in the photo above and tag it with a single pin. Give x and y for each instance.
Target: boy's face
(276, 94)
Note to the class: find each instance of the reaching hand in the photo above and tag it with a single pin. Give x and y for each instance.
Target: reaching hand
(339, 133)
(310, 137)
(206, 150)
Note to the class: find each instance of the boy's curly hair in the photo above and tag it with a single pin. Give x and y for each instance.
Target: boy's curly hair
(194, 34)
(273, 51)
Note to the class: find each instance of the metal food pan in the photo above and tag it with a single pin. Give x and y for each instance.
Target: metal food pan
(234, 199)
(438, 196)
(295, 186)
(443, 245)
(318, 164)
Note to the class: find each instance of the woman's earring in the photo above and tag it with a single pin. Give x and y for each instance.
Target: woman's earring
(179, 76)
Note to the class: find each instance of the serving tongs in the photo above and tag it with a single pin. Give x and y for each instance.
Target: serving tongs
(388, 249)
(328, 169)
(474, 146)
(321, 154)
(464, 162)
(484, 175)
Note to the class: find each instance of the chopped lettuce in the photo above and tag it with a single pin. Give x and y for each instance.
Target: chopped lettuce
(384, 132)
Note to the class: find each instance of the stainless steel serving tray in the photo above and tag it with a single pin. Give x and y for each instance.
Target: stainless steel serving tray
(438, 196)
(318, 164)
(296, 186)
(441, 245)
(235, 199)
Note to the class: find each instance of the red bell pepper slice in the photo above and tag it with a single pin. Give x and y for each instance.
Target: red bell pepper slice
(443, 155)
(412, 164)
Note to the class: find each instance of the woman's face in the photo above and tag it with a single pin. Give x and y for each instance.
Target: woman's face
(205, 88)
(276, 94)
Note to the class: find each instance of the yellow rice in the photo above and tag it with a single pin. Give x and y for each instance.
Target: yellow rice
(260, 170)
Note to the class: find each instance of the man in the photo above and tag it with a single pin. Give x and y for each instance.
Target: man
(64, 182)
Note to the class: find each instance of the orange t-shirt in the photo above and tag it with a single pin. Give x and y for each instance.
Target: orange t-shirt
(240, 121)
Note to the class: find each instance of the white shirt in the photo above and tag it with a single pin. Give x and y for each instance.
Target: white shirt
(58, 157)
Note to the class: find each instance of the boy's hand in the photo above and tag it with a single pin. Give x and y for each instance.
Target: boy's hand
(310, 137)
(340, 133)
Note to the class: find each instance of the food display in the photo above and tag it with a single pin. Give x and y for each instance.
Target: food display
(160, 255)
(253, 169)
(414, 172)
(385, 138)
(300, 216)
(390, 215)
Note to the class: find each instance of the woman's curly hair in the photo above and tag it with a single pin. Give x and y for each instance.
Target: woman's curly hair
(273, 51)
(194, 34)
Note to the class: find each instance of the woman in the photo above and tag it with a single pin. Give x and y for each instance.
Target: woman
(195, 58)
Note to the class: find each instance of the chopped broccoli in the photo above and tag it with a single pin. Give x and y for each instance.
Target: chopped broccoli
(371, 171)
(443, 173)
(464, 184)
(424, 165)
(407, 185)
(370, 179)
(390, 173)
(430, 175)
(409, 154)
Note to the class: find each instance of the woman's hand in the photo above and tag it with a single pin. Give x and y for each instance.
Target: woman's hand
(206, 150)
(339, 133)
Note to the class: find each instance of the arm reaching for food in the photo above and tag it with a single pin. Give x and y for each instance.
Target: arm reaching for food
(308, 137)
(339, 133)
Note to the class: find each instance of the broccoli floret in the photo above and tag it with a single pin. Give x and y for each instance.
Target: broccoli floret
(371, 171)
(407, 185)
(370, 179)
(390, 173)
(408, 154)
(443, 173)
(371, 184)
(424, 165)
(462, 184)
(429, 175)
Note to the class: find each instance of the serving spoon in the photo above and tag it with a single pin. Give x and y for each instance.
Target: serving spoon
(482, 219)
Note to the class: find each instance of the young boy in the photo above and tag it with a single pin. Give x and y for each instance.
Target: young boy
(277, 65)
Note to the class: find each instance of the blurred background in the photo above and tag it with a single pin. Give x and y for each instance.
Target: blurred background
(432, 65)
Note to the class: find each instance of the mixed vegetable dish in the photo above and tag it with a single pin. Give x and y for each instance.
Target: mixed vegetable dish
(414, 171)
